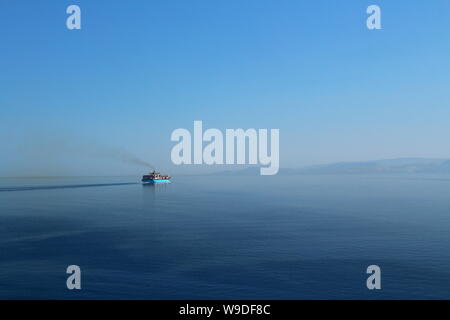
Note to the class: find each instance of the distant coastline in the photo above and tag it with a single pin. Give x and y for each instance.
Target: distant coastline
(386, 166)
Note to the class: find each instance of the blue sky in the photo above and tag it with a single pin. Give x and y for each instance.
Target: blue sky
(140, 69)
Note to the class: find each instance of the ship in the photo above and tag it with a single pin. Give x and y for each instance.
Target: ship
(155, 177)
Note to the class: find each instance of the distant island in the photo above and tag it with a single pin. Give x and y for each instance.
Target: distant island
(402, 165)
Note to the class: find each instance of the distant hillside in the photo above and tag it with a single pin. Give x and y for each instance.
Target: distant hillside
(403, 165)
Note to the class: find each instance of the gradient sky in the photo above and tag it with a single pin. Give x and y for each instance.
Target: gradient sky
(140, 69)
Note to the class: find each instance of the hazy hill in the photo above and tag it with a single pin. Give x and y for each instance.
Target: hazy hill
(403, 165)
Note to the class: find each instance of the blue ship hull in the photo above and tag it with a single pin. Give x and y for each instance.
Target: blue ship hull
(159, 181)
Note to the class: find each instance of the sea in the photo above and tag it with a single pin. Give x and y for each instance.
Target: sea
(303, 236)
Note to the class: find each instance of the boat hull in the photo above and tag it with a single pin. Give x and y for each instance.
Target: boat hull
(156, 181)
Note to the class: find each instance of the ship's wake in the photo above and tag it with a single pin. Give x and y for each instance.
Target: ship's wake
(68, 186)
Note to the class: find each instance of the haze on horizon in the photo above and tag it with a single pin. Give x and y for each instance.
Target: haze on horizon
(71, 101)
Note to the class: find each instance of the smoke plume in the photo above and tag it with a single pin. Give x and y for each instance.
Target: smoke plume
(50, 153)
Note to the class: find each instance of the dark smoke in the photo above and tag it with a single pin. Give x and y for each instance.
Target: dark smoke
(121, 155)
(53, 148)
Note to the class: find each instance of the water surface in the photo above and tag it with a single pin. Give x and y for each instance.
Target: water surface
(224, 237)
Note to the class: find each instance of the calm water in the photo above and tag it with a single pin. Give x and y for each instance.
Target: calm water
(299, 237)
